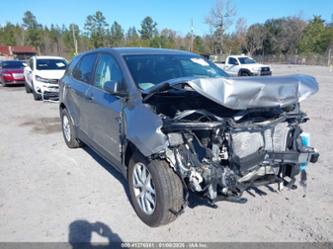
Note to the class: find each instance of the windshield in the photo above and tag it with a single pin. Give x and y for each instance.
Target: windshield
(149, 70)
(51, 64)
(246, 60)
(12, 65)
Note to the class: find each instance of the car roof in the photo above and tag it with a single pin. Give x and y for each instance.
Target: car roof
(10, 61)
(138, 51)
(49, 57)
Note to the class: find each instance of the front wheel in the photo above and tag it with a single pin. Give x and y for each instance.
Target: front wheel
(244, 73)
(156, 191)
(35, 94)
(27, 87)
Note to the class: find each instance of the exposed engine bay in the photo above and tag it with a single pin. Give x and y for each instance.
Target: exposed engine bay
(220, 152)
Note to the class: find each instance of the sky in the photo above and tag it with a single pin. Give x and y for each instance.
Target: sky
(174, 14)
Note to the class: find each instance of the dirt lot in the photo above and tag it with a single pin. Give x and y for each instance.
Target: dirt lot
(51, 193)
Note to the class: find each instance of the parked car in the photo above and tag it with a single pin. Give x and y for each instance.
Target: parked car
(172, 123)
(42, 76)
(241, 65)
(11, 72)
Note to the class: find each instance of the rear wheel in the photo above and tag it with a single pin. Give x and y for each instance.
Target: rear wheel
(68, 130)
(156, 191)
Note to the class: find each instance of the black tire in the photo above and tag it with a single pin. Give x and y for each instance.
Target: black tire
(168, 188)
(27, 88)
(36, 95)
(3, 84)
(73, 141)
(244, 73)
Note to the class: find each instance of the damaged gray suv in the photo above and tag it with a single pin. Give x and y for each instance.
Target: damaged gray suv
(174, 123)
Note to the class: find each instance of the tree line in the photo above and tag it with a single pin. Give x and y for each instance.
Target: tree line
(287, 35)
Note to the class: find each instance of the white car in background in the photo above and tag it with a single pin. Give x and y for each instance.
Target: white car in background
(42, 75)
(242, 65)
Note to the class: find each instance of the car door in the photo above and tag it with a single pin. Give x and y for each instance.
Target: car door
(104, 109)
(77, 90)
(232, 67)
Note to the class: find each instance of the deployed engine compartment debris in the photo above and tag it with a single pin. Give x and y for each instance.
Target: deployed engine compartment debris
(227, 135)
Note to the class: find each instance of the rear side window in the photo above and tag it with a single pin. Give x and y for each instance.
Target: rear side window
(72, 65)
(84, 70)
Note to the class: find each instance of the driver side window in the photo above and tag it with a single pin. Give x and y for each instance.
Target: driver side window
(107, 69)
(233, 61)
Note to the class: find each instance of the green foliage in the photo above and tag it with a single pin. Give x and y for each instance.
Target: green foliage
(198, 45)
(117, 34)
(30, 21)
(68, 35)
(255, 38)
(316, 36)
(34, 31)
(96, 27)
(167, 38)
(132, 37)
(148, 28)
(7, 34)
(281, 36)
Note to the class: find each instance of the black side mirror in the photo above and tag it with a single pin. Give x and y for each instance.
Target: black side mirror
(115, 88)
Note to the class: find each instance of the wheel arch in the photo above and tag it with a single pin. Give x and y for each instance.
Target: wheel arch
(130, 149)
(62, 106)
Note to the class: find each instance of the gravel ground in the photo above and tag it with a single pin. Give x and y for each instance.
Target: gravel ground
(49, 193)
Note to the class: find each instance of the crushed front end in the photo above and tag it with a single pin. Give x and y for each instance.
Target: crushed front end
(220, 152)
(223, 158)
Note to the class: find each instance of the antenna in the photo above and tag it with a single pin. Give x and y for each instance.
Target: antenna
(192, 32)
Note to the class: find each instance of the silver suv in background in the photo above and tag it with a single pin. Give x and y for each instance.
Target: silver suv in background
(173, 123)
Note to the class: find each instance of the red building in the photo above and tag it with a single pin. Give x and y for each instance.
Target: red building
(17, 52)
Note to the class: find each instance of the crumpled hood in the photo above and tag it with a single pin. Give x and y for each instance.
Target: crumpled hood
(241, 93)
